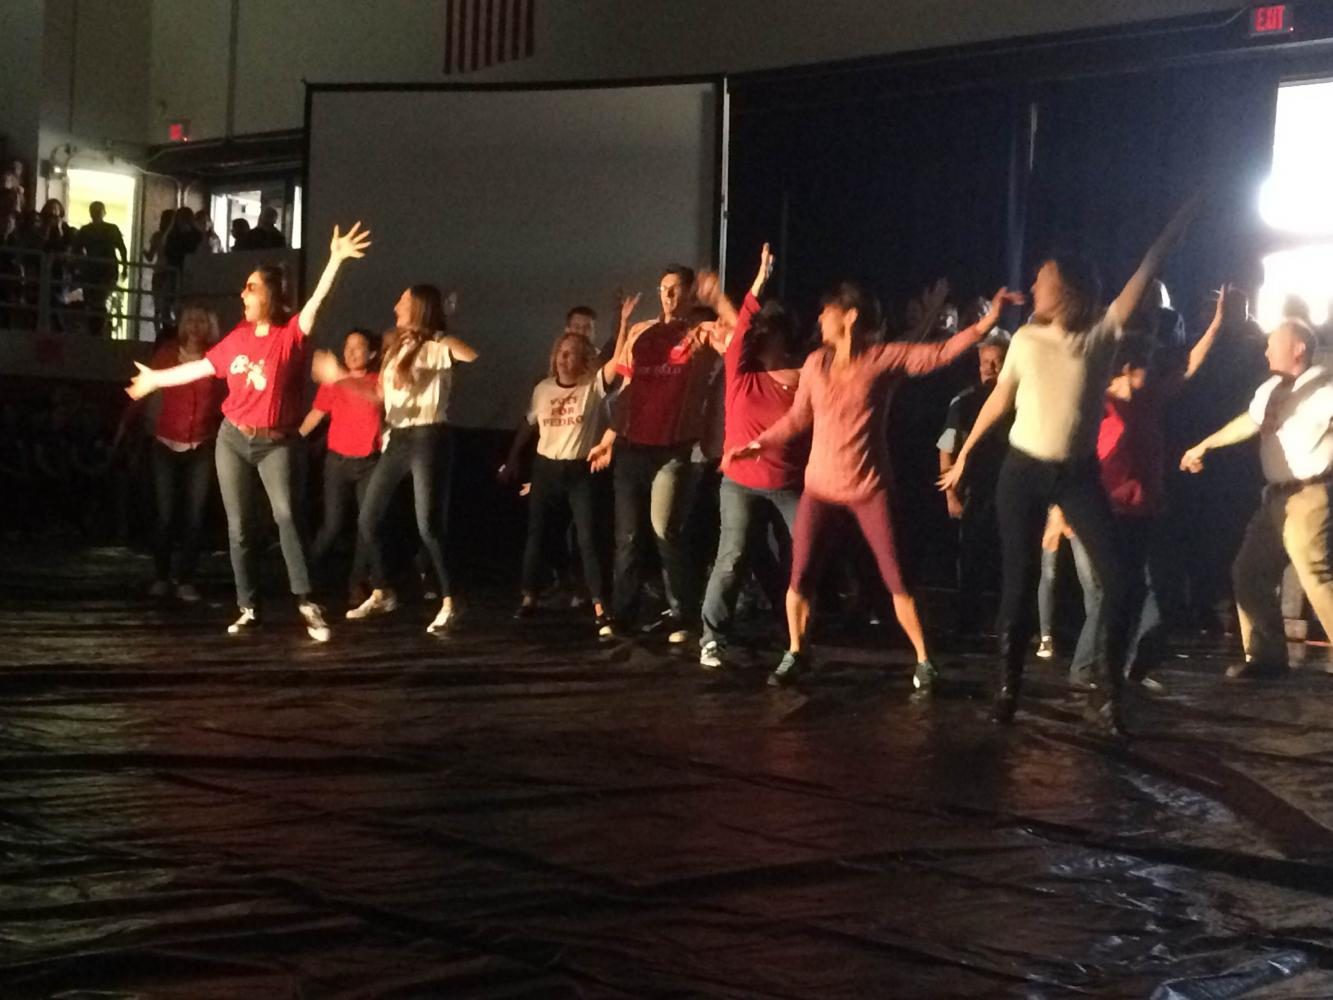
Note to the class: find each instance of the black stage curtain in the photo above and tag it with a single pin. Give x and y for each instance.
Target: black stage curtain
(1114, 156)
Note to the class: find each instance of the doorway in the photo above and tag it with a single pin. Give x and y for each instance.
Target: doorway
(120, 194)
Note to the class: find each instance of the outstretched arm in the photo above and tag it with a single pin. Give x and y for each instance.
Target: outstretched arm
(348, 246)
(922, 359)
(1128, 300)
(1242, 428)
(151, 379)
(998, 405)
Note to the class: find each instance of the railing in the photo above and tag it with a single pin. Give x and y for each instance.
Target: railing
(77, 294)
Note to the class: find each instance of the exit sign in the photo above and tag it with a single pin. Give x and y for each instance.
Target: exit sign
(1271, 19)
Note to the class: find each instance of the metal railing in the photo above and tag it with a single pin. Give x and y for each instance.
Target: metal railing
(77, 294)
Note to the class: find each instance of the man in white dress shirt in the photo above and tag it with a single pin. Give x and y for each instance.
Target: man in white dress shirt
(1293, 414)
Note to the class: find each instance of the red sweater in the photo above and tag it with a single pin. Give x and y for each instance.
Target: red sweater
(190, 413)
(755, 402)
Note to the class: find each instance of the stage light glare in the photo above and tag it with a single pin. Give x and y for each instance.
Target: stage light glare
(1306, 273)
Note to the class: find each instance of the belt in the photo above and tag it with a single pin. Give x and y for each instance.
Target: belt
(261, 433)
(1296, 485)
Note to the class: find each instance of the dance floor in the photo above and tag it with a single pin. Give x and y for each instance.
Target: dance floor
(517, 811)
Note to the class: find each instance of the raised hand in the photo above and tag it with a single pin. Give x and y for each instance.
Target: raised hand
(141, 384)
(934, 297)
(324, 367)
(628, 303)
(351, 244)
(451, 303)
(767, 260)
(707, 288)
(998, 301)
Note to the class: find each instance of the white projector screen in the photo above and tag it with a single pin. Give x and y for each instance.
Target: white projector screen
(526, 202)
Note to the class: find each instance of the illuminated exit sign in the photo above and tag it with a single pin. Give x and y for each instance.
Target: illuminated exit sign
(1271, 19)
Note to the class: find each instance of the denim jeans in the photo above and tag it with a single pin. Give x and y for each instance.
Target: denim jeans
(654, 488)
(555, 483)
(742, 546)
(1085, 653)
(1027, 489)
(344, 477)
(241, 461)
(186, 476)
(426, 454)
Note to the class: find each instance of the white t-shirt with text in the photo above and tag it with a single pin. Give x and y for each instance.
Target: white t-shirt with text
(568, 418)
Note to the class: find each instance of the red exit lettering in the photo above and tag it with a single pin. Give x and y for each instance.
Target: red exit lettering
(1273, 19)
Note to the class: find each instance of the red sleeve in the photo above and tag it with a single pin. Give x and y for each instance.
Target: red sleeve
(737, 346)
(922, 359)
(324, 399)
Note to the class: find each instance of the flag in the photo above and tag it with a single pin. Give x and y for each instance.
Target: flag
(482, 33)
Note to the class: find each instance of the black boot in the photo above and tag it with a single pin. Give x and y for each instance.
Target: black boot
(1012, 653)
(1104, 709)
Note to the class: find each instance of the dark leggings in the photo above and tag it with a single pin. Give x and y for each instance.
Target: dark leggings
(426, 453)
(187, 477)
(555, 483)
(819, 523)
(1026, 490)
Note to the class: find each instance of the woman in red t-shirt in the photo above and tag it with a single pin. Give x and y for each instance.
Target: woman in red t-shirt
(264, 363)
(353, 447)
(182, 452)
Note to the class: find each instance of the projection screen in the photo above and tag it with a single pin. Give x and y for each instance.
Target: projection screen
(526, 202)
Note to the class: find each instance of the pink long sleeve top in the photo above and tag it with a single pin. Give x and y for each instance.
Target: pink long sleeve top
(848, 412)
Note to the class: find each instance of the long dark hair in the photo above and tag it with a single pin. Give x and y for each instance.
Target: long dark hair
(274, 277)
(1082, 286)
(775, 325)
(425, 321)
(848, 295)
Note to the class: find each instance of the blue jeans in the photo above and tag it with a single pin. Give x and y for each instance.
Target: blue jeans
(187, 476)
(654, 488)
(742, 545)
(425, 453)
(241, 461)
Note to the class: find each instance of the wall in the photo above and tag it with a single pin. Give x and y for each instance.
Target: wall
(403, 40)
(20, 76)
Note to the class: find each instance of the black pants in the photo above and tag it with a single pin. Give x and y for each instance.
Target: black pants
(344, 477)
(1026, 490)
(554, 484)
(186, 476)
(425, 453)
(978, 560)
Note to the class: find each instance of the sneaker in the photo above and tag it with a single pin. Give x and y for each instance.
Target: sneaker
(606, 628)
(1150, 684)
(1046, 648)
(679, 636)
(710, 655)
(248, 620)
(160, 588)
(791, 667)
(380, 602)
(925, 676)
(315, 625)
(1255, 670)
(187, 592)
(442, 620)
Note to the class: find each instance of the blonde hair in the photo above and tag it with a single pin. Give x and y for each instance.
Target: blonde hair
(587, 352)
(210, 320)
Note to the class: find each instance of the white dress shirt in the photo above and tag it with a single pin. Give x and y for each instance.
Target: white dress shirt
(1296, 438)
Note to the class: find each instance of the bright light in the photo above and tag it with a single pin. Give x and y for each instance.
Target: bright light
(1297, 199)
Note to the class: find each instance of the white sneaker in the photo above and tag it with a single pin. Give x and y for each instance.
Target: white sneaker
(710, 655)
(187, 592)
(442, 620)
(160, 588)
(315, 625)
(680, 635)
(245, 623)
(380, 602)
(1046, 648)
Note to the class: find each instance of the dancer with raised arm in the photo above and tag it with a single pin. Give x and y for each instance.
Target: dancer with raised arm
(762, 370)
(1053, 380)
(844, 397)
(566, 414)
(264, 362)
(414, 384)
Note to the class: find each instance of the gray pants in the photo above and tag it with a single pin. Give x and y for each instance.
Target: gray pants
(242, 462)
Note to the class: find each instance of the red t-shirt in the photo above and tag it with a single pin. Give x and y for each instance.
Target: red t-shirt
(755, 402)
(1131, 444)
(264, 375)
(190, 413)
(661, 369)
(354, 420)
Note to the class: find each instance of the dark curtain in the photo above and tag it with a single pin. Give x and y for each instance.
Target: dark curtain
(1115, 155)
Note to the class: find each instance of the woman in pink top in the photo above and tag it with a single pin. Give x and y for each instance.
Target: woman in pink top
(844, 397)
